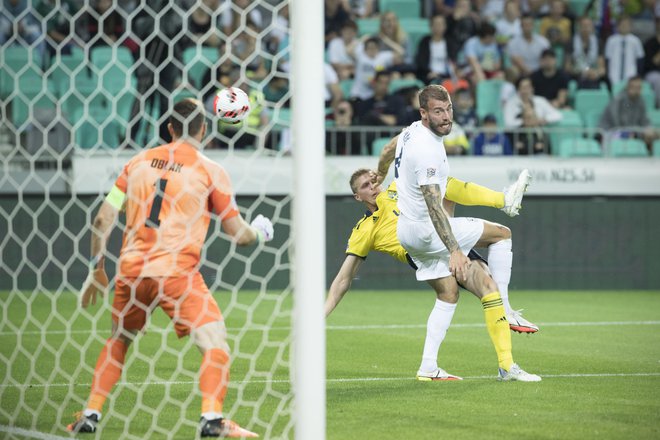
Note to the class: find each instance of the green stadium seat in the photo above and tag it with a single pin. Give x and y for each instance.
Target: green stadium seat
(579, 147)
(572, 89)
(377, 146)
(282, 117)
(488, 99)
(93, 122)
(578, 7)
(85, 92)
(403, 83)
(416, 28)
(402, 8)
(17, 61)
(569, 127)
(648, 95)
(591, 99)
(628, 148)
(32, 93)
(654, 117)
(656, 148)
(197, 60)
(368, 26)
(346, 85)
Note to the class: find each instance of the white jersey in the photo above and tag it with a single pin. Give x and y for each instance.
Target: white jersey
(420, 159)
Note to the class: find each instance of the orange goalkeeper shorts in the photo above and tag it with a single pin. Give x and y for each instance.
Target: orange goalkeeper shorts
(186, 300)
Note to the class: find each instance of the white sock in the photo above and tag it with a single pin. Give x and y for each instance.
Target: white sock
(90, 412)
(212, 415)
(500, 260)
(436, 329)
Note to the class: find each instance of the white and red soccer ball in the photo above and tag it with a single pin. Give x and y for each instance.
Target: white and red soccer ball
(231, 105)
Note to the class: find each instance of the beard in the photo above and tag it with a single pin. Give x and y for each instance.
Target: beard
(440, 129)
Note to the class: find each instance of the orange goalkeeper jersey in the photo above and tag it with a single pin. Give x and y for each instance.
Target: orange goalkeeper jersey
(170, 192)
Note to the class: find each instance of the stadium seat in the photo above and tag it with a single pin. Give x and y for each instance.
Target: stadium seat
(402, 8)
(282, 117)
(654, 118)
(656, 148)
(402, 83)
(64, 67)
(628, 148)
(197, 60)
(569, 127)
(368, 26)
(85, 93)
(488, 99)
(578, 6)
(346, 85)
(416, 28)
(32, 94)
(377, 146)
(579, 147)
(17, 61)
(590, 103)
(648, 95)
(93, 122)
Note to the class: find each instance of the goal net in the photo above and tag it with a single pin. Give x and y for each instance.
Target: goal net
(89, 88)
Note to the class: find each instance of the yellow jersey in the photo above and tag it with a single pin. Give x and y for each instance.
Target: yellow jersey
(377, 230)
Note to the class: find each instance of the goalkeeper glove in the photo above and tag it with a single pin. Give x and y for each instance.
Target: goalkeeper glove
(95, 284)
(264, 228)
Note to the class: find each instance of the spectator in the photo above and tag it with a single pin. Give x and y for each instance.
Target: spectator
(394, 38)
(525, 50)
(550, 82)
(18, 25)
(464, 111)
(492, 10)
(105, 27)
(461, 25)
(433, 61)
(508, 26)
(203, 24)
(535, 8)
(247, 47)
(335, 17)
(411, 101)
(340, 48)
(626, 116)
(443, 7)
(491, 142)
(624, 53)
(532, 113)
(456, 142)
(231, 20)
(558, 21)
(368, 60)
(343, 140)
(59, 28)
(652, 61)
(361, 8)
(279, 29)
(333, 93)
(586, 63)
(382, 108)
(483, 54)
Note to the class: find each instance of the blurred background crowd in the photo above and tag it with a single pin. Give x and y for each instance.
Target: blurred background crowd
(560, 77)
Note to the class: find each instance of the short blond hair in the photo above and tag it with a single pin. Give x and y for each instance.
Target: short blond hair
(433, 91)
(355, 176)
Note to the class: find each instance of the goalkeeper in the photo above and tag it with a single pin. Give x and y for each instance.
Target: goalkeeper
(168, 194)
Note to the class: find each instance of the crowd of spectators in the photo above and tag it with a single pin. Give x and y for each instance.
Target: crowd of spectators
(538, 52)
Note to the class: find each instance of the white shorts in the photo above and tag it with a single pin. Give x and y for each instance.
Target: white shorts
(428, 252)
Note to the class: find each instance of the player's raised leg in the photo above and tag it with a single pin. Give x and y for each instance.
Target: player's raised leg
(436, 328)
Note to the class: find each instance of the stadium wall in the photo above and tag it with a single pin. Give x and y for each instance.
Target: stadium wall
(586, 223)
(559, 243)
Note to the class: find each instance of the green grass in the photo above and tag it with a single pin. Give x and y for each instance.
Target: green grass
(599, 353)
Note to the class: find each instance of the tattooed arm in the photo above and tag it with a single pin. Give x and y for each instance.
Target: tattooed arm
(458, 263)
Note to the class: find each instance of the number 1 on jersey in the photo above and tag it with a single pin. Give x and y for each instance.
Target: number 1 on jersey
(153, 221)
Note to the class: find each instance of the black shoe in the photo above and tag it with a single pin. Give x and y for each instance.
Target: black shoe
(84, 424)
(223, 428)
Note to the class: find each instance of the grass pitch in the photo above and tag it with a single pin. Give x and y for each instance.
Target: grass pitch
(598, 353)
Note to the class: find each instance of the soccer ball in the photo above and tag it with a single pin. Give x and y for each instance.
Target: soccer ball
(231, 105)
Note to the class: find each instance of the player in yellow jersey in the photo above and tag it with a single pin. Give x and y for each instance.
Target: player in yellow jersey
(377, 231)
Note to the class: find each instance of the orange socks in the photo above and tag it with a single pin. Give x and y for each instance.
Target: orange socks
(107, 372)
(213, 380)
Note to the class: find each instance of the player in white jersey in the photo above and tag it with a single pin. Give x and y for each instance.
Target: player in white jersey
(438, 244)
